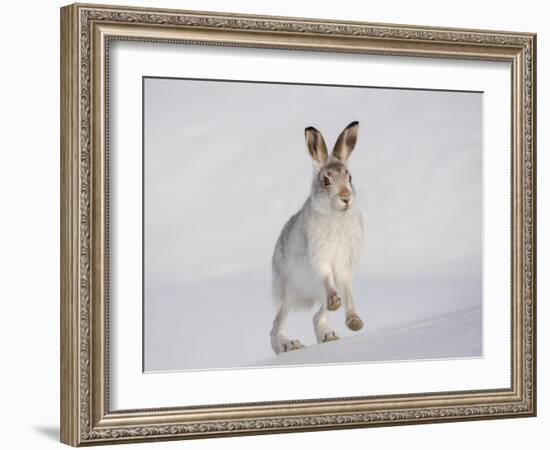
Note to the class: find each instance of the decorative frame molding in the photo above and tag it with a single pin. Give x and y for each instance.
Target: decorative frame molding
(86, 31)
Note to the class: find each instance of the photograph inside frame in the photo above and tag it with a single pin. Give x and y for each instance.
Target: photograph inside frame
(303, 224)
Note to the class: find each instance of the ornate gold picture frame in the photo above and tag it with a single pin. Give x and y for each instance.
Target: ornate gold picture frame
(87, 32)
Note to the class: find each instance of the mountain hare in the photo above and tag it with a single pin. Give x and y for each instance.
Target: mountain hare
(319, 247)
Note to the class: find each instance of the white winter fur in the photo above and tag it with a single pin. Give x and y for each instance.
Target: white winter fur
(319, 247)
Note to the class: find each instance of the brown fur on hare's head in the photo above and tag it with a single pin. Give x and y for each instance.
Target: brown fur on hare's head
(332, 187)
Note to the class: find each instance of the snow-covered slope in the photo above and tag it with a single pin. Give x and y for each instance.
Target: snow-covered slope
(452, 335)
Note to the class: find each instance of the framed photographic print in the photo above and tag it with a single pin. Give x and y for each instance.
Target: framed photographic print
(275, 224)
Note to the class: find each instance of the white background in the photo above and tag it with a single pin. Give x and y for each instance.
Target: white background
(261, 176)
(30, 227)
(131, 389)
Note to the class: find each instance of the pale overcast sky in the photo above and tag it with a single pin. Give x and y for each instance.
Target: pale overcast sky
(225, 165)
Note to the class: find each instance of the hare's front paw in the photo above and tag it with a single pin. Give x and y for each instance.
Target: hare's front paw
(354, 322)
(330, 336)
(293, 344)
(333, 302)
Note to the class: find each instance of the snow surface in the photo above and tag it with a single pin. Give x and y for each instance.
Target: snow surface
(453, 335)
(217, 192)
(203, 335)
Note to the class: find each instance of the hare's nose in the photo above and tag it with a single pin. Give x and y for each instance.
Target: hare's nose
(345, 195)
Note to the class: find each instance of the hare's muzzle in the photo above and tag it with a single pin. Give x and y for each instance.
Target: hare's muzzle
(345, 196)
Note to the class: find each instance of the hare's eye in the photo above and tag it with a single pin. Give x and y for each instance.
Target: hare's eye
(350, 178)
(326, 181)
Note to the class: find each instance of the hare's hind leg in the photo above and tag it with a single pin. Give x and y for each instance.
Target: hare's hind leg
(323, 332)
(279, 340)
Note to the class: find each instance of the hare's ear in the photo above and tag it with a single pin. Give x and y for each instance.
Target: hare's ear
(346, 142)
(316, 146)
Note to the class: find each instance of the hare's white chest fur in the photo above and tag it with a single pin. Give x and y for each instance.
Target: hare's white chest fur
(335, 243)
(319, 247)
